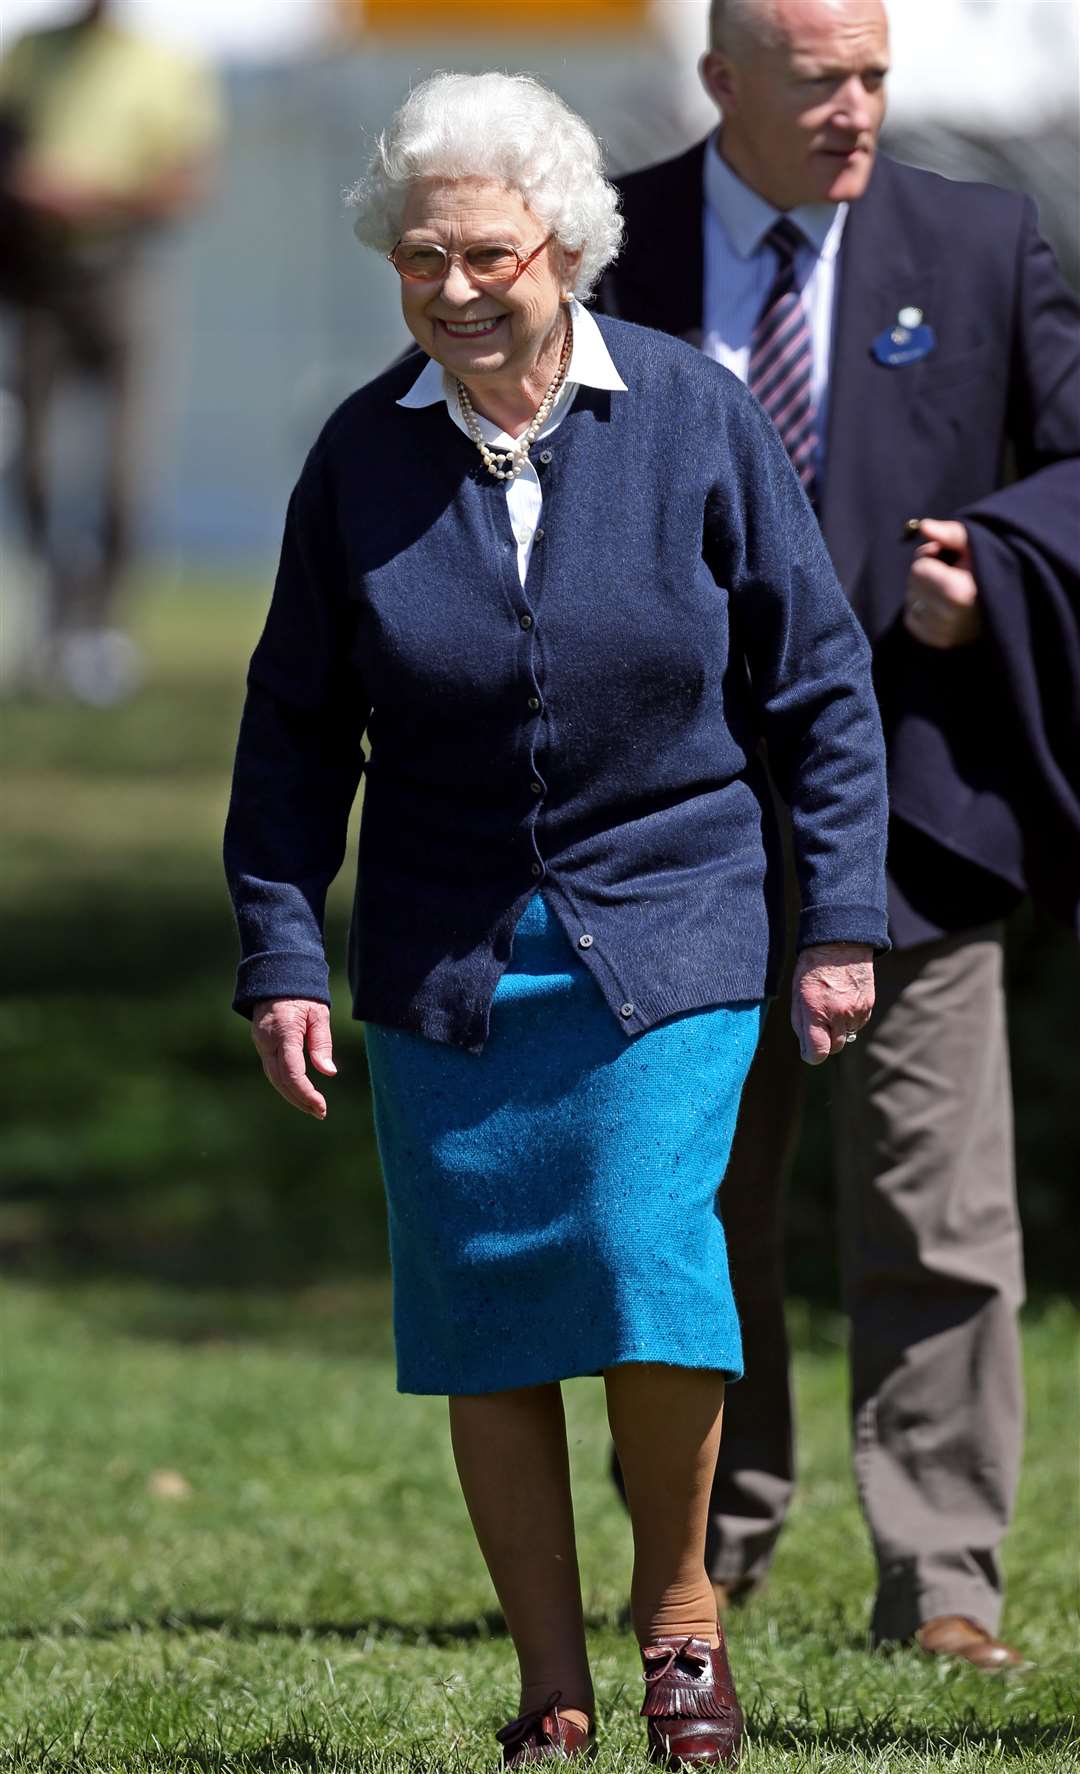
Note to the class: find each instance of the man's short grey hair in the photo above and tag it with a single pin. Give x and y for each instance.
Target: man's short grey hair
(742, 25)
(507, 128)
(736, 26)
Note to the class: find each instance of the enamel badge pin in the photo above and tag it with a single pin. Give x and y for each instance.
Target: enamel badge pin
(908, 340)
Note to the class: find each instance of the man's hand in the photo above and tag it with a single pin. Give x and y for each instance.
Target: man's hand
(832, 995)
(941, 608)
(281, 1028)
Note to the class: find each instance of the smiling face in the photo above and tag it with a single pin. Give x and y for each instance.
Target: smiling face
(803, 103)
(507, 333)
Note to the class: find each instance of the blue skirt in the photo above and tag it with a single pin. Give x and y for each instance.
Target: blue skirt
(552, 1200)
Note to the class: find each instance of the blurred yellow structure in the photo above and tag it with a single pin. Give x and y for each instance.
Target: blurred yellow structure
(494, 15)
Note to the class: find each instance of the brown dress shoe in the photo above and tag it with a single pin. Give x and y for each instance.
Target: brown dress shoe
(543, 1735)
(951, 1635)
(691, 1707)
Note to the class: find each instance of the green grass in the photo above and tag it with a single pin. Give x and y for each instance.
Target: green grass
(133, 1133)
(315, 1598)
(197, 1286)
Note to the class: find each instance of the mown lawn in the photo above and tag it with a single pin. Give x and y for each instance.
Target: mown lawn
(230, 1545)
(226, 1543)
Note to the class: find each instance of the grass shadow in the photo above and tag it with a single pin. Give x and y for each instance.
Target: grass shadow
(409, 1633)
(880, 1734)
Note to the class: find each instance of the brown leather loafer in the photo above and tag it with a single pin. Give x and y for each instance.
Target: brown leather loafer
(693, 1713)
(951, 1635)
(543, 1735)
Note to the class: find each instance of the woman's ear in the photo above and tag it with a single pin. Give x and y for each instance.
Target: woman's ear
(571, 265)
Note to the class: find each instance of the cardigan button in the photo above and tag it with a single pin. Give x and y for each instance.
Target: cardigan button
(626, 1009)
(525, 621)
(537, 868)
(545, 455)
(537, 788)
(584, 942)
(534, 704)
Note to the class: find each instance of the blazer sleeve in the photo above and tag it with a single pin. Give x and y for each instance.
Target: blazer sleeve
(1044, 384)
(808, 665)
(298, 760)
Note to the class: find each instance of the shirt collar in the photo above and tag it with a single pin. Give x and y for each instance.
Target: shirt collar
(590, 366)
(747, 217)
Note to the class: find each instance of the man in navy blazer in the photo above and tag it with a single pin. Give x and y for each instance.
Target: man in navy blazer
(938, 357)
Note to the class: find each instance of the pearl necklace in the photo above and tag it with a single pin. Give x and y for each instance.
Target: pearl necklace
(508, 464)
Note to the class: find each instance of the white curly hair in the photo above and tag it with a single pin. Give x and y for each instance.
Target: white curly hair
(505, 127)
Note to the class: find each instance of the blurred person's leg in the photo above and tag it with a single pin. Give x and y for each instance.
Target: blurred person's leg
(755, 1468)
(117, 328)
(40, 350)
(96, 661)
(512, 1460)
(933, 1272)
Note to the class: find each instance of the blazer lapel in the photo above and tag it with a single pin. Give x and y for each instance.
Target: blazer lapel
(869, 432)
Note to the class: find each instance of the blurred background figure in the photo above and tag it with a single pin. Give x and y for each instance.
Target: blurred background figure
(105, 137)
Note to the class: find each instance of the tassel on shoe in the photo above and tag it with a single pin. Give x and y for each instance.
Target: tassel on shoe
(693, 1712)
(543, 1735)
(679, 1682)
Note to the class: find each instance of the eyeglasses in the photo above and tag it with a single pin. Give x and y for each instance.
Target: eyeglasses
(488, 261)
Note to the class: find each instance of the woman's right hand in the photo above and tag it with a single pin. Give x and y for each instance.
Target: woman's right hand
(282, 1028)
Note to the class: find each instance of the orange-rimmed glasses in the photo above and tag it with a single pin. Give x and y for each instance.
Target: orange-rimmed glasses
(487, 261)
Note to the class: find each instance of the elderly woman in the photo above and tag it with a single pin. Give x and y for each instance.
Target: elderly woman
(562, 574)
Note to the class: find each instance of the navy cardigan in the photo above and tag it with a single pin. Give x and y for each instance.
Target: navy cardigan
(595, 735)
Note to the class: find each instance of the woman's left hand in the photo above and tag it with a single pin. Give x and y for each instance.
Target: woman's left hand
(832, 995)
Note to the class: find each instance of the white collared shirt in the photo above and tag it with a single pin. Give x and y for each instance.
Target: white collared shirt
(740, 268)
(590, 366)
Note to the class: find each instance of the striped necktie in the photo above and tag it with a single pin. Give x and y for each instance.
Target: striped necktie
(781, 357)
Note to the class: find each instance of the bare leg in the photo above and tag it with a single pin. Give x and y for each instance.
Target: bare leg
(510, 1449)
(665, 1422)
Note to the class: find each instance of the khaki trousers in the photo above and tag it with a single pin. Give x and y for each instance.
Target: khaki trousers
(933, 1278)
